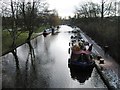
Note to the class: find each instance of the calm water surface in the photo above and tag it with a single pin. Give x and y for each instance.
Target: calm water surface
(46, 65)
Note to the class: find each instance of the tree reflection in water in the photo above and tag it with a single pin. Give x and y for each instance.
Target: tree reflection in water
(30, 75)
(18, 77)
(14, 52)
(25, 78)
(31, 54)
(80, 75)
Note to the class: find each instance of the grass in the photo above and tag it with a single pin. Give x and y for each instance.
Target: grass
(7, 40)
(40, 29)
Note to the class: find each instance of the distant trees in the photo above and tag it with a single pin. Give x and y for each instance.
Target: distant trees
(54, 19)
(108, 9)
(51, 17)
(88, 10)
(91, 9)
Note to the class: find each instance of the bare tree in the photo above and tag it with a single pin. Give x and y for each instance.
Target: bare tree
(102, 9)
(10, 20)
(89, 9)
(14, 27)
(10, 23)
(30, 12)
(108, 9)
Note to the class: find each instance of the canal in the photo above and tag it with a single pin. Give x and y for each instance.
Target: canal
(45, 65)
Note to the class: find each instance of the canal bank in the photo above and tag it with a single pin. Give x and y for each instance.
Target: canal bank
(37, 34)
(109, 71)
(104, 78)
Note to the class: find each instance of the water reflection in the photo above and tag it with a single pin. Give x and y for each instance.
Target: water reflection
(30, 70)
(43, 64)
(79, 75)
(31, 55)
(23, 77)
(14, 52)
(18, 78)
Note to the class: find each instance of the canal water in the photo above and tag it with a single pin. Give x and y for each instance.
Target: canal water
(45, 65)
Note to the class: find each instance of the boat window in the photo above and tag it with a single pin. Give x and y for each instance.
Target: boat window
(83, 57)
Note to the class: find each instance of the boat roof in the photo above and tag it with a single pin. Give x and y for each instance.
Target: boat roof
(82, 52)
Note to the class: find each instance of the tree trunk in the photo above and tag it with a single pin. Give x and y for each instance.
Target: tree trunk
(29, 35)
(102, 12)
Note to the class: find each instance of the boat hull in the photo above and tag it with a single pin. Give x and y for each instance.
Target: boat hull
(81, 65)
(45, 34)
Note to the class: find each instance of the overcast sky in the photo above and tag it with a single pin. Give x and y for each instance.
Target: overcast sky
(66, 8)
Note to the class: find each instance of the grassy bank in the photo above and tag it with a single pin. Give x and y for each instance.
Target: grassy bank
(7, 40)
